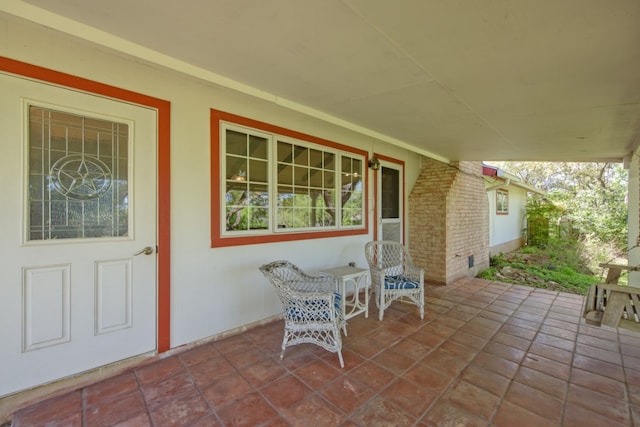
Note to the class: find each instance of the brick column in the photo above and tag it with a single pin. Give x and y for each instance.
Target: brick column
(449, 220)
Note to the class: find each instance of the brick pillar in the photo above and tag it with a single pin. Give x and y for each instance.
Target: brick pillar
(449, 220)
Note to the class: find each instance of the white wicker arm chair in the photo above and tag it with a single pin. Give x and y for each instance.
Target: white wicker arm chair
(393, 275)
(311, 306)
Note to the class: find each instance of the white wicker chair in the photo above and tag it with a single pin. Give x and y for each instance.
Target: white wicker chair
(311, 307)
(393, 275)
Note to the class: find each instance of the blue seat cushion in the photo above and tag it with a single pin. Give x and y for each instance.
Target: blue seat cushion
(400, 282)
(296, 313)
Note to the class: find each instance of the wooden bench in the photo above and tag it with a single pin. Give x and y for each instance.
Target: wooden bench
(613, 305)
(615, 270)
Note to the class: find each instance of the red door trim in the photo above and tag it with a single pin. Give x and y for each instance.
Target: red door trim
(164, 127)
(376, 201)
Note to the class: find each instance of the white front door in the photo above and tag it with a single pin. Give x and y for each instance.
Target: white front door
(390, 193)
(78, 176)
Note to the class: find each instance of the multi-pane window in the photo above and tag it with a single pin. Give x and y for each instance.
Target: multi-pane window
(247, 183)
(277, 184)
(502, 201)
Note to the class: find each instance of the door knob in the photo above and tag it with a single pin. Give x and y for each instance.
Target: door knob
(146, 251)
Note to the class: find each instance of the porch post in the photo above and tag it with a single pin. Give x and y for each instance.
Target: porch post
(633, 220)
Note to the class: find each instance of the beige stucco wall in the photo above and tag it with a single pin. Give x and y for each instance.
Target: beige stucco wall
(213, 290)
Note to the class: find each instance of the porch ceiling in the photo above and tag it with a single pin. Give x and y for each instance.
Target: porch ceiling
(459, 79)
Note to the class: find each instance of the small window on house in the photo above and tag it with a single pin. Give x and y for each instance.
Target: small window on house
(502, 202)
(273, 183)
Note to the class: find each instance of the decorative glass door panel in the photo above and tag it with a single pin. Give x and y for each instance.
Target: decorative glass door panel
(78, 176)
(75, 296)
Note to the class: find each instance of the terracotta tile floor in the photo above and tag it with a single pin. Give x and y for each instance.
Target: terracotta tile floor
(486, 354)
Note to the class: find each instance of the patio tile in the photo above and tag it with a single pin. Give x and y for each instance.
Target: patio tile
(423, 375)
(635, 414)
(198, 355)
(512, 341)
(504, 351)
(263, 372)
(541, 381)
(548, 366)
(575, 415)
(496, 364)
(208, 371)
(553, 341)
(555, 331)
(506, 365)
(614, 409)
(234, 344)
(318, 373)
(524, 323)
(427, 337)
(461, 351)
(596, 366)
(411, 348)
(478, 330)
(447, 413)
(561, 324)
(301, 355)
(143, 420)
(65, 410)
(486, 380)
(114, 411)
(550, 352)
(468, 339)
(347, 393)
(380, 413)
(159, 370)
(410, 397)
(535, 401)
(516, 331)
(110, 388)
(510, 414)
(285, 392)
(373, 375)
(250, 410)
(314, 411)
(444, 362)
(394, 361)
(247, 356)
(633, 384)
(166, 389)
(473, 399)
(181, 411)
(443, 324)
(595, 382)
(225, 389)
(631, 362)
(365, 346)
(613, 357)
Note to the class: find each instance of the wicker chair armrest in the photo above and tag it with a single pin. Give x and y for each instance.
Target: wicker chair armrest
(413, 272)
(307, 283)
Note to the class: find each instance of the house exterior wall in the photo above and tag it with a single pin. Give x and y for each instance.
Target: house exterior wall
(505, 231)
(448, 220)
(213, 290)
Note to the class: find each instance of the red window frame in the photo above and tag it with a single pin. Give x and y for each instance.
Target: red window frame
(217, 238)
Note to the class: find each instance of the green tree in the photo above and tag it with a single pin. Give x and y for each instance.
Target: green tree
(592, 196)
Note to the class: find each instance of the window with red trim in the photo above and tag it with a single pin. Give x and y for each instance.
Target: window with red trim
(271, 183)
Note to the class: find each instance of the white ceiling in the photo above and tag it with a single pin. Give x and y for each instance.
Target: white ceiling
(462, 79)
